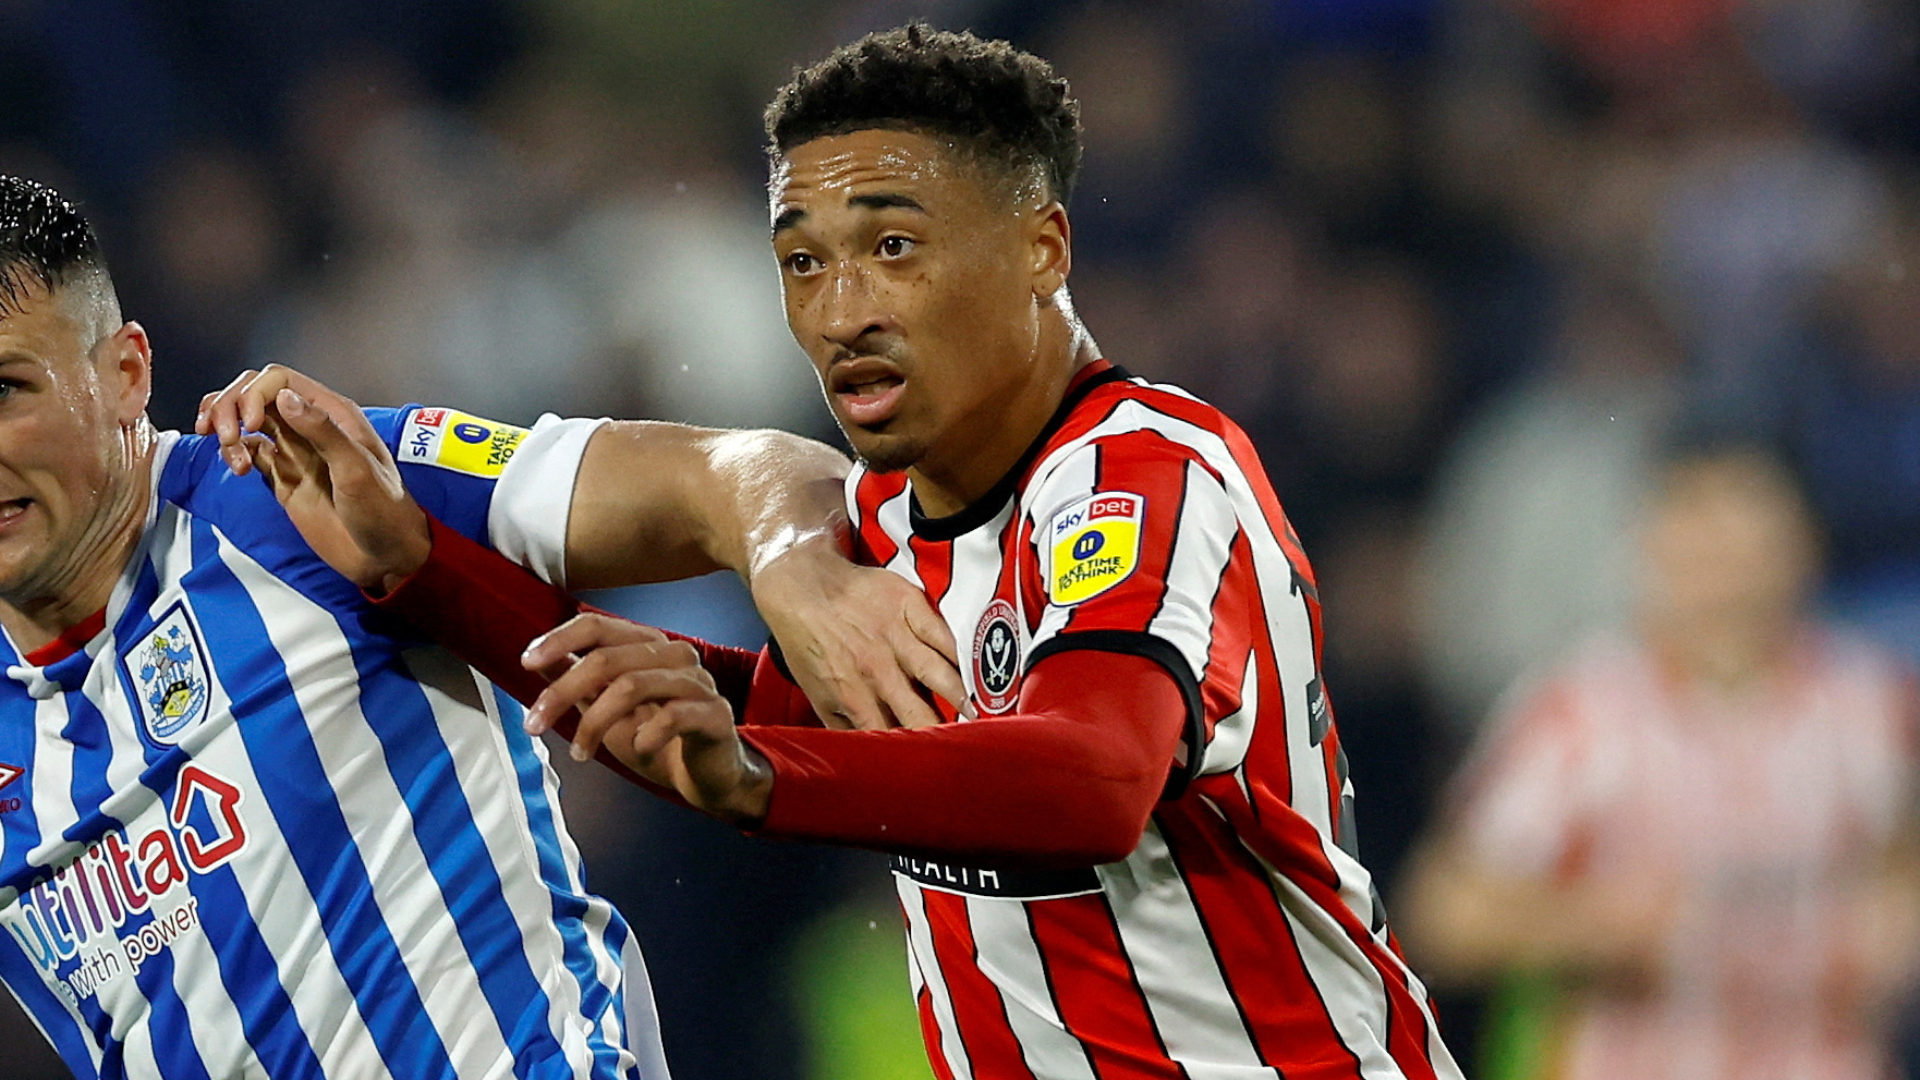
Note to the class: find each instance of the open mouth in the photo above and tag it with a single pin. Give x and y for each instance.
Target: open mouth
(868, 389)
(12, 510)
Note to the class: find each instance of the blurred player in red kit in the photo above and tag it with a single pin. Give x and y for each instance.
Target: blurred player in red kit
(1129, 852)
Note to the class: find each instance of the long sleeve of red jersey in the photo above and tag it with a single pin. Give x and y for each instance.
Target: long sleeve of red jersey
(1068, 780)
(487, 609)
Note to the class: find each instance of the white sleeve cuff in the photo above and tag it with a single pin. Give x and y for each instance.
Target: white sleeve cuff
(527, 521)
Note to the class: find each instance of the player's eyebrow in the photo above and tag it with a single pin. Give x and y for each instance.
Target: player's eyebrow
(886, 200)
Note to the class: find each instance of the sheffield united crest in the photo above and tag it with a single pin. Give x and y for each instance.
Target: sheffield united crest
(172, 685)
(996, 657)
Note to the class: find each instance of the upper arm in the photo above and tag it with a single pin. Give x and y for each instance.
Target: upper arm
(1132, 539)
(657, 501)
(1517, 805)
(504, 486)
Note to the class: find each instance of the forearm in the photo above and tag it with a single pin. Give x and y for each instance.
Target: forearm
(482, 606)
(486, 609)
(1069, 783)
(657, 501)
(1469, 924)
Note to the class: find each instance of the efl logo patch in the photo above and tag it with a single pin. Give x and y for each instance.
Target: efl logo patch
(996, 657)
(172, 684)
(456, 441)
(1096, 544)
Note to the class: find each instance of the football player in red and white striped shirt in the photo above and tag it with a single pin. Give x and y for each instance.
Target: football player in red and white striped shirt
(1129, 853)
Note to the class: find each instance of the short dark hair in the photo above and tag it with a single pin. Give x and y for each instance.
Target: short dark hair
(1005, 106)
(44, 241)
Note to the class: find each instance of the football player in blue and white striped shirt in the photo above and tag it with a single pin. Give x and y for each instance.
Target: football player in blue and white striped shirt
(248, 828)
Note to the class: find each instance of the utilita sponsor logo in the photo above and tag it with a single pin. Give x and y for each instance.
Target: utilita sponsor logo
(83, 926)
(8, 774)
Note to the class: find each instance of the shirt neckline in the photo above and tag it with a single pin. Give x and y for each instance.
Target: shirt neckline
(71, 640)
(982, 510)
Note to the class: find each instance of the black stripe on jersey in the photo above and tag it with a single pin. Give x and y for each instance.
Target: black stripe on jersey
(983, 509)
(1162, 652)
(1133, 973)
(1200, 916)
(1306, 973)
(1053, 992)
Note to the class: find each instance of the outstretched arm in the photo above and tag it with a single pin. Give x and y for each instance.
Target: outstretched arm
(652, 501)
(1069, 779)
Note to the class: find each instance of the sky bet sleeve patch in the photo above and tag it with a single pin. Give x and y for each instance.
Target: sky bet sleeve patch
(1096, 545)
(456, 441)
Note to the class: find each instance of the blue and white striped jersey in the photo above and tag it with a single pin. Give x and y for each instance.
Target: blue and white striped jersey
(252, 829)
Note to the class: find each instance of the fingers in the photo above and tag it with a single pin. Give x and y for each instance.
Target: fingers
(595, 671)
(242, 407)
(220, 416)
(903, 701)
(699, 718)
(202, 422)
(851, 705)
(584, 633)
(320, 436)
(265, 456)
(935, 671)
(632, 698)
(928, 626)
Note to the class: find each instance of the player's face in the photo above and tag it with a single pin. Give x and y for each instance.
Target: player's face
(67, 395)
(910, 280)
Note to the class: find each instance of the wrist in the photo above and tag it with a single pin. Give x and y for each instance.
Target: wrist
(748, 807)
(410, 551)
(791, 545)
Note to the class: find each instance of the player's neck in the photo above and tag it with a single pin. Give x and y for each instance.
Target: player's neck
(950, 479)
(80, 581)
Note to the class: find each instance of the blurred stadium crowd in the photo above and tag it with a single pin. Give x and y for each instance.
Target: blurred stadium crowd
(1463, 269)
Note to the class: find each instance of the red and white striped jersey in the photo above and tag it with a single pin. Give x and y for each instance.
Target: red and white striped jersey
(1241, 938)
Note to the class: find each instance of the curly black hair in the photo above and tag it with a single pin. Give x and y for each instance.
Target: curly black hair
(1004, 106)
(44, 241)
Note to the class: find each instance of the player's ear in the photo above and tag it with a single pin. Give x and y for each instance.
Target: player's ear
(1050, 240)
(128, 363)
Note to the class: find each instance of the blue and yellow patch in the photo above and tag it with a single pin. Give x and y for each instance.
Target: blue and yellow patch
(1095, 545)
(454, 440)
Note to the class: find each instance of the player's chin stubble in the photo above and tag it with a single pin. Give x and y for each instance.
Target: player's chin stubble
(884, 453)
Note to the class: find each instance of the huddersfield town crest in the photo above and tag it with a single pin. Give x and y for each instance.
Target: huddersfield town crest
(171, 683)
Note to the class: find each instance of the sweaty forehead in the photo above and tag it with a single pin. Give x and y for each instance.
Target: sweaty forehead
(835, 166)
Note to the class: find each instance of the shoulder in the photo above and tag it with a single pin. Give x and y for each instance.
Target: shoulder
(192, 476)
(189, 468)
(1129, 424)
(1130, 436)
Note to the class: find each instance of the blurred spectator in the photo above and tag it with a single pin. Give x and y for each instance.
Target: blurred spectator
(1853, 419)
(1127, 70)
(1362, 417)
(436, 284)
(1701, 827)
(1526, 536)
(213, 247)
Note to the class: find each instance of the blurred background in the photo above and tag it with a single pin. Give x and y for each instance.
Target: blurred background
(1573, 333)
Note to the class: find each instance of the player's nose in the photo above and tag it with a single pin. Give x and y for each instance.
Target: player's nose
(850, 310)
